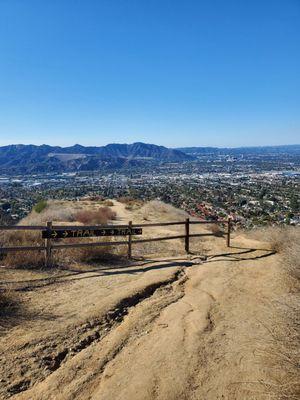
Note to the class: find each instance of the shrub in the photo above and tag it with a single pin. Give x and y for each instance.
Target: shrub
(130, 202)
(101, 216)
(6, 302)
(10, 309)
(93, 253)
(40, 206)
(125, 199)
(107, 203)
(216, 230)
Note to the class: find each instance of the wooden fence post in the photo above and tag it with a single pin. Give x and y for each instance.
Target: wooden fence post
(187, 235)
(129, 239)
(228, 231)
(48, 258)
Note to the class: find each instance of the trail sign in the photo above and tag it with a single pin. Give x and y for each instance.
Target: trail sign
(80, 233)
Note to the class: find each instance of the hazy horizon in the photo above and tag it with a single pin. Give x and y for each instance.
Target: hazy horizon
(157, 144)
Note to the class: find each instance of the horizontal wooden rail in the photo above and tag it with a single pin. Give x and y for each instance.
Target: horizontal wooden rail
(22, 227)
(21, 248)
(158, 239)
(86, 227)
(157, 224)
(208, 222)
(201, 234)
(88, 244)
(52, 244)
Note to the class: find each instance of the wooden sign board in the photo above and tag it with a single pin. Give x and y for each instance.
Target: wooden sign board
(80, 233)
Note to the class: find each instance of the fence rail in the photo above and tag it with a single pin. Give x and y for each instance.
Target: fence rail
(50, 244)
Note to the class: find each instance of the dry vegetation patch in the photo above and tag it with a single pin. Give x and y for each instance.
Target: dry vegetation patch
(101, 216)
(107, 203)
(158, 211)
(10, 309)
(215, 229)
(285, 333)
(130, 203)
(20, 259)
(59, 213)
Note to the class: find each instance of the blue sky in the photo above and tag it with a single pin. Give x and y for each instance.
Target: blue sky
(176, 73)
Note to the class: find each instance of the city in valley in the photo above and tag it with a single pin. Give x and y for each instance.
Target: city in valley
(252, 186)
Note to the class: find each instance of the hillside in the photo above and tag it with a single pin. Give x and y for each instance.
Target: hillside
(165, 326)
(43, 159)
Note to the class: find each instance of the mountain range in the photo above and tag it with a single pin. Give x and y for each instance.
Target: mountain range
(32, 159)
(42, 159)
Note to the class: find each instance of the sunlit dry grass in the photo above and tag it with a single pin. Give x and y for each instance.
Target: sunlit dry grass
(284, 354)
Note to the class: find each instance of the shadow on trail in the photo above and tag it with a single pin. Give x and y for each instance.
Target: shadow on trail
(234, 256)
(152, 267)
(138, 266)
(237, 259)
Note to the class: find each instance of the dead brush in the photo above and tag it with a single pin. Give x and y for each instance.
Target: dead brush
(284, 353)
(107, 203)
(100, 216)
(279, 238)
(216, 230)
(23, 259)
(130, 202)
(90, 253)
(292, 258)
(7, 302)
(10, 308)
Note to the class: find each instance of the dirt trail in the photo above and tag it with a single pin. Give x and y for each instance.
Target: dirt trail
(183, 328)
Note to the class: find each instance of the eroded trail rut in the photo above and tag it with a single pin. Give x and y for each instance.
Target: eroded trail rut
(49, 357)
(175, 331)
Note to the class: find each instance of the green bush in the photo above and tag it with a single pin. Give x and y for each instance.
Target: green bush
(40, 206)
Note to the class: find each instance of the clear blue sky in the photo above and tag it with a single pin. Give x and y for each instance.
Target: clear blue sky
(176, 73)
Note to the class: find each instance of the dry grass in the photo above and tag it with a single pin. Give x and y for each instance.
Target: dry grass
(60, 213)
(156, 210)
(107, 203)
(285, 333)
(10, 307)
(130, 203)
(286, 242)
(28, 259)
(90, 254)
(54, 212)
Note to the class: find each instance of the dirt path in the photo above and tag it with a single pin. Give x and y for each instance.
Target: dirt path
(167, 329)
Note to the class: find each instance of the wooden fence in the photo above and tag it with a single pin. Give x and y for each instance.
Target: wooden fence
(50, 244)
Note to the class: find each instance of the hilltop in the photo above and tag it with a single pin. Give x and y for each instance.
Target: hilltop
(214, 324)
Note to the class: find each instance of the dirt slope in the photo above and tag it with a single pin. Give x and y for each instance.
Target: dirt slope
(177, 328)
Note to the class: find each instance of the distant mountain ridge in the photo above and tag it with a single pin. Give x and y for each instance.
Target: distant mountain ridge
(283, 149)
(44, 158)
(32, 159)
